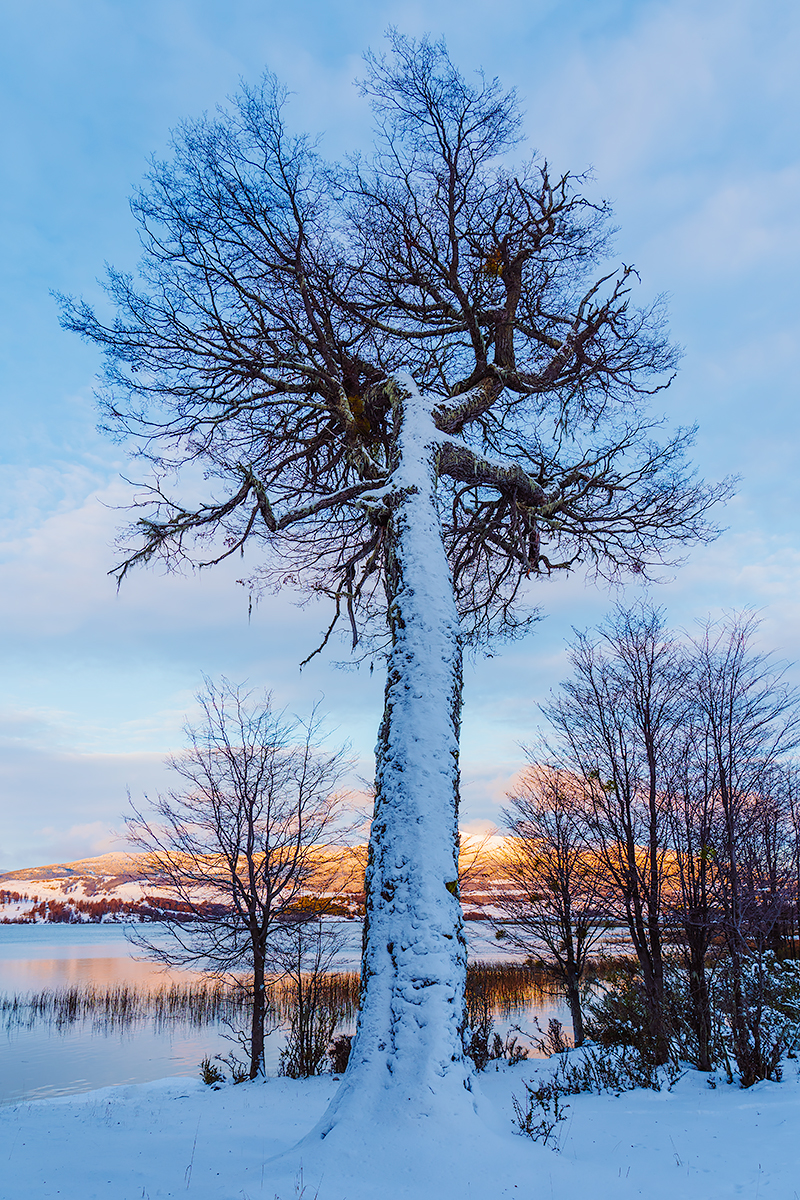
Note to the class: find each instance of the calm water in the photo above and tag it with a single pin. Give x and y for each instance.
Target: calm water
(45, 1061)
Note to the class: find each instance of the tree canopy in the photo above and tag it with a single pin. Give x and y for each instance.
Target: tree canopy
(279, 295)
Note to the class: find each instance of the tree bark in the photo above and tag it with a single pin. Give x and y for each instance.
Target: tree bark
(409, 1039)
(576, 1012)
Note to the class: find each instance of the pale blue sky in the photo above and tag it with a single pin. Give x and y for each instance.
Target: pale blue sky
(688, 113)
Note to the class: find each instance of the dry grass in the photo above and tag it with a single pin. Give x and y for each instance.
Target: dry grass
(123, 1006)
(509, 988)
(197, 1004)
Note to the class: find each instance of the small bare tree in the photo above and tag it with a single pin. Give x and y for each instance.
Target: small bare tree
(554, 901)
(306, 954)
(690, 905)
(239, 844)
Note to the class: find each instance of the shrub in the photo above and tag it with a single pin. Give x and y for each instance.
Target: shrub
(770, 1004)
(210, 1073)
(618, 1016)
(484, 1045)
(339, 1053)
(589, 1069)
(310, 1034)
(770, 991)
(542, 1113)
(240, 1071)
(603, 1069)
(554, 1041)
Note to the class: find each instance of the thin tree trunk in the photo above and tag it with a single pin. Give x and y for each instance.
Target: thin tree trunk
(571, 972)
(410, 1030)
(654, 1003)
(258, 1018)
(574, 1000)
(700, 999)
(645, 935)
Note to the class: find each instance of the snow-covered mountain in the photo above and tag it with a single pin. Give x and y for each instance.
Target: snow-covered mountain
(98, 888)
(109, 887)
(112, 876)
(122, 886)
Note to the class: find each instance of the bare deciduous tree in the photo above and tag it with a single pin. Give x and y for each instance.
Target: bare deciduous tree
(307, 954)
(750, 722)
(555, 904)
(691, 906)
(683, 750)
(616, 719)
(239, 844)
(415, 388)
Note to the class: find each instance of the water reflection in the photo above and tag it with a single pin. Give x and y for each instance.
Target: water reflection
(89, 1015)
(37, 974)
(43, 1058)
(42, 1062)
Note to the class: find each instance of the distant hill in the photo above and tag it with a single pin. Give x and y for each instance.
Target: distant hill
(119, 886)
(107, 872)
(109, 887)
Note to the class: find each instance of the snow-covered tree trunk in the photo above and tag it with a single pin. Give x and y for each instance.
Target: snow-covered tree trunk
(410, 1032)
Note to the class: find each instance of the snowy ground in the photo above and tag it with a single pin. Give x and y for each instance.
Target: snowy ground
(178, 1138)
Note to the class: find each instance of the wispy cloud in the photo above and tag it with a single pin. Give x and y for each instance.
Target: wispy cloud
(67, 805)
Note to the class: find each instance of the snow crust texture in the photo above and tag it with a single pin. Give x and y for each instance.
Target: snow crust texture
(180, 1139)
(410, 1035)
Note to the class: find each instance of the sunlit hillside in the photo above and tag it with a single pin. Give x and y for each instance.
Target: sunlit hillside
(119, 885)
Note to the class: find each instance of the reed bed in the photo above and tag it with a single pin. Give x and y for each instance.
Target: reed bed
(197, 1004)
(506, 989)
(123, 1006)
(336, 992)
(509, 988)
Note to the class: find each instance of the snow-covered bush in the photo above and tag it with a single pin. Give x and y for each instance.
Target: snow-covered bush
(596, 1069)
(769, 1001)
(339, 1053)
(610, 1069)
(770, 997)
(210, 1073)
(618, 1015)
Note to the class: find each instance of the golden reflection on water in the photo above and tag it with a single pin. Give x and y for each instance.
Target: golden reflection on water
(115, 993)
(34, 974)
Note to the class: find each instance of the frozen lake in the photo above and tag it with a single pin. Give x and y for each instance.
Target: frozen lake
(43, 1060)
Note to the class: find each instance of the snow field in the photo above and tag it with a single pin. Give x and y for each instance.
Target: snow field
(178, 1138)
